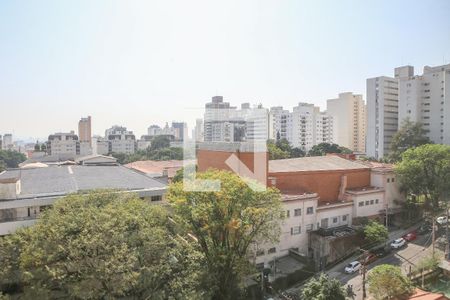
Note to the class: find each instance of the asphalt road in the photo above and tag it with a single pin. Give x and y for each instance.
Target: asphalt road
(405, 257)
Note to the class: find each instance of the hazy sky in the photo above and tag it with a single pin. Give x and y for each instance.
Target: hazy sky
(137, 63)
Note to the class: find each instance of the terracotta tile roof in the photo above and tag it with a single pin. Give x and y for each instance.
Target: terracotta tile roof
(424, 295)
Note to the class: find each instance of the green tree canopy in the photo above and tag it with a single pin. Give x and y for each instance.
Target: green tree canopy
(11, 158)
(160, 142)
(410, 135)
(424, 172)
(226, 223)
(388, 282)
(323, 288)
(324, 148)
(275, 152)
(102, 245)
(376, 232)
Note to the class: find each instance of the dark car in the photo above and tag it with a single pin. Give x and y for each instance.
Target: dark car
(425, 228)
(381, 251)
(369, 259)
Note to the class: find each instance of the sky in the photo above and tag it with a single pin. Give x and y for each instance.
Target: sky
(137, 63)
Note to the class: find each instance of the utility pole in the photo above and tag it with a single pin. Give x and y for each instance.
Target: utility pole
(364, 270)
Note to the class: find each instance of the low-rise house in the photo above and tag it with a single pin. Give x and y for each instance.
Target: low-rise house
(160, 169)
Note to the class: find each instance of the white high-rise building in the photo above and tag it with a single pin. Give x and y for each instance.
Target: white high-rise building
(198, 131)
(278, 118)
(7, 143)
(225, 123)
(349, 121)
(304, 127)
(426, 99)
(120, 140)
(382, 115)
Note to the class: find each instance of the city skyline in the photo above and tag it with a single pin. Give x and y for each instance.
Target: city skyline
(150, 63)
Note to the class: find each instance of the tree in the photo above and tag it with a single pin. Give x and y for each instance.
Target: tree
(11, 158)
(376, 232)
(388, 282)
(37, 147)
(179, 175)
(225, 224)
(159, 142)
(2, 166)
(43, 147)
(322, 288)
(297, 152)
(275, 152)
(324, 148)
(423, 173)
(410, 135)
(102, 245)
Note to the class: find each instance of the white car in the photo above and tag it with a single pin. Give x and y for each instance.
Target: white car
(441, 220)
(398, 243)
(352, 267)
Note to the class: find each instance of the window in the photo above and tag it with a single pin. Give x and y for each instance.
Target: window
(361, 203)
(309, 227)
(393, 179)
(288, 213)
(260, 252)
(272, 250)
(388, 180)
(296, 230)
(372, 202)
(344, 218)
(367, 202)
(376, 201)
(156, 198)
(335, 220)
(310, 210)
(297, 212)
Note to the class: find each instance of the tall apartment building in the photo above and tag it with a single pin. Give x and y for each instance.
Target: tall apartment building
(426, 99)
(85, 130)
(304, 127)
(120, 140)
(278, 123)
(382, 114)
(198, 131)
(180, 130)
(7, 143)
(63, 144)
(225, 123)
(349, 121)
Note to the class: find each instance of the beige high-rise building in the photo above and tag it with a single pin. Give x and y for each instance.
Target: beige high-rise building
(349, 121)
(84, 130)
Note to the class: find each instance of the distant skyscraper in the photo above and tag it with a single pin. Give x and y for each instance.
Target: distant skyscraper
(198, 130)
(349, 121)
(84, 130)
(180, 130)
(7, 142)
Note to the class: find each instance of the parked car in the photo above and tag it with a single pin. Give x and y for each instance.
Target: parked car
(424, 228)
(352, 267)
(369, 259)
(441, 220)
(398, 243)
(382, 251)
(410, 236)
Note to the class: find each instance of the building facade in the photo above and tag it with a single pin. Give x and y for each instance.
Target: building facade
(120, 140)
(349, 121)
(7, 143)
(426, 99)
(85, 130)
(63, 144)
(382, 115)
